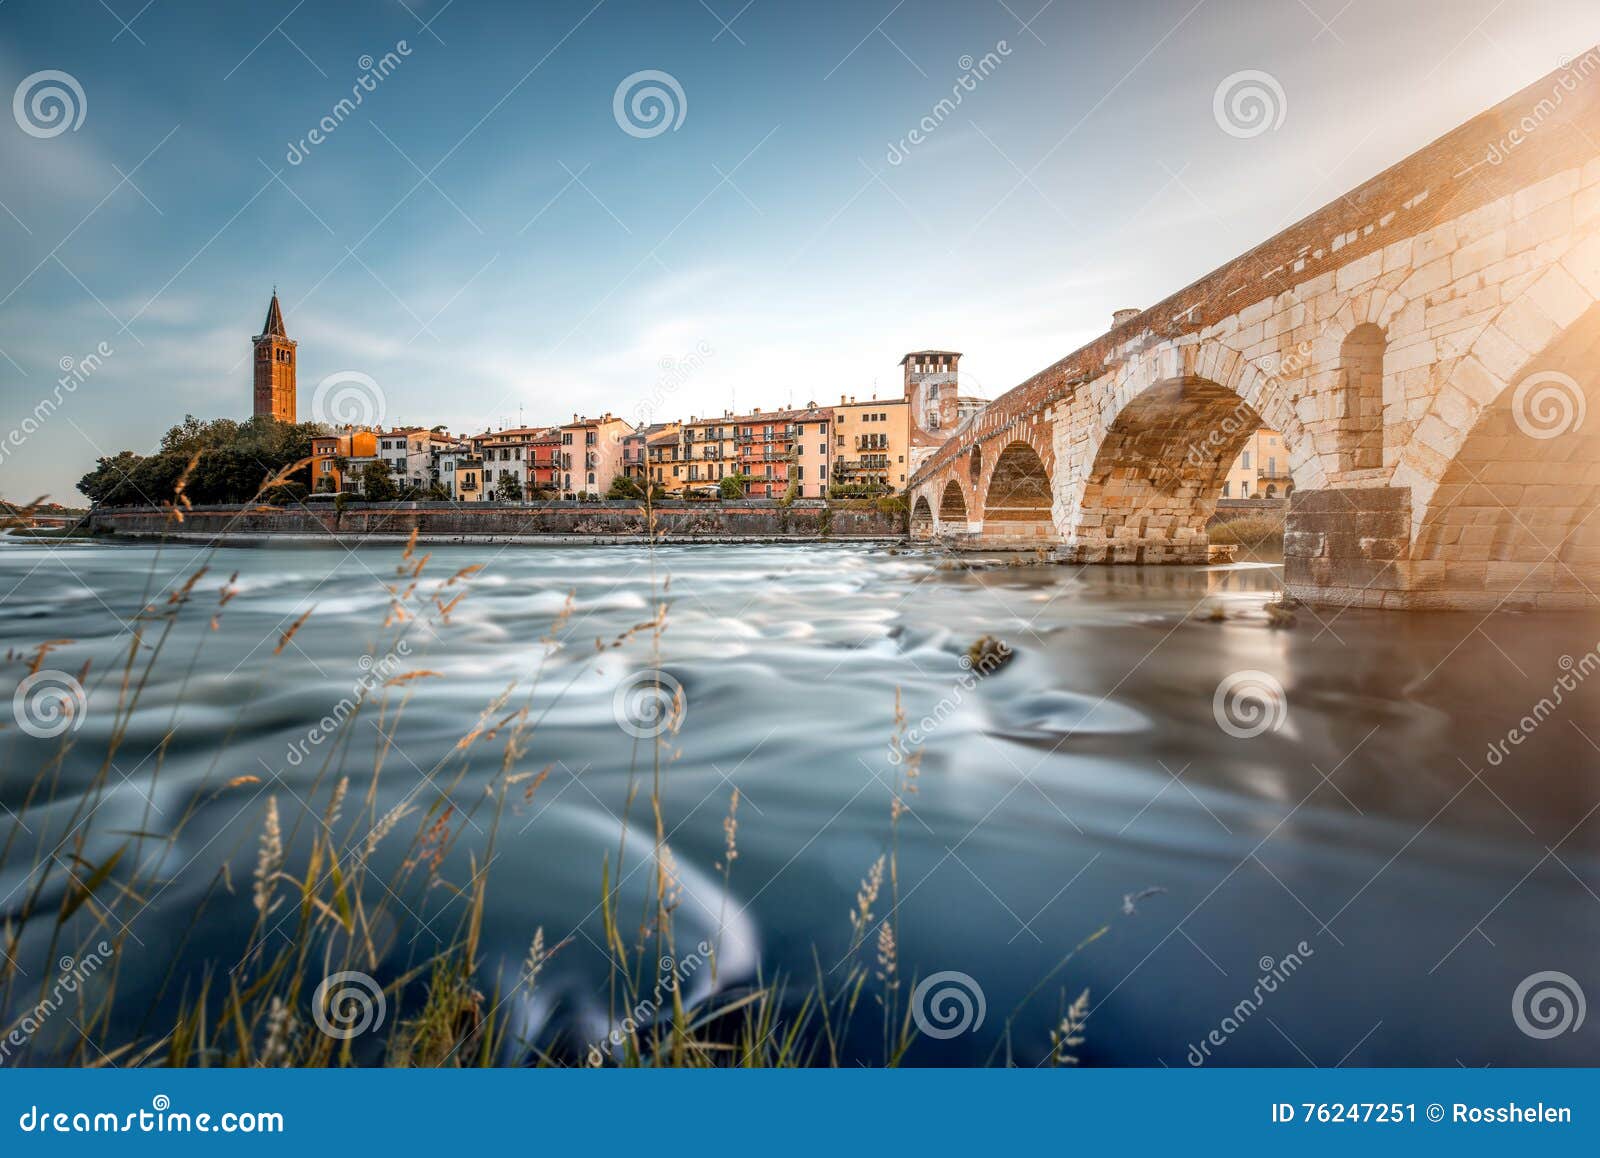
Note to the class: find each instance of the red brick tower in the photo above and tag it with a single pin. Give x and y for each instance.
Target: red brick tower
(274, 375)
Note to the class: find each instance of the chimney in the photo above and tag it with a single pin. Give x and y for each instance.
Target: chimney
(852, 399)
(1121, 316)
(841, 400)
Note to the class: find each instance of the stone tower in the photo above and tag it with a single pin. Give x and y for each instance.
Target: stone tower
(931, 382)
(274, 374)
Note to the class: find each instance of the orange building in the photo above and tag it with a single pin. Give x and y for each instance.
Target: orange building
(327, 451)
(771, 452)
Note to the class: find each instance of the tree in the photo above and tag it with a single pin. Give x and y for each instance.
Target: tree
(110, 483)
(733, 486)
(508, 489)
(377, 483)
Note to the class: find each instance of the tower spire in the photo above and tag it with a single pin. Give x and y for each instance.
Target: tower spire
(274, 322)
(274, 385)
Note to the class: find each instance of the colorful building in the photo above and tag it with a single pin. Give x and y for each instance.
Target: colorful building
(871, 444)
(591, 454)
(813, 451)
(468, 479)
(329, 451)
(1261, 471)
(636, 449)
(709, 452)
(665, 460)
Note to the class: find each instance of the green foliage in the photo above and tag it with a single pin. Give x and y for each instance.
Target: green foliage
(231, 460)
(623, 487)
(734, 486)
(856, 491)
(508, 489)
(377, 483)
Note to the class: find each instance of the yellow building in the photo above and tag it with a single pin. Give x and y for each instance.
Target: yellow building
(871, 442)
(469, 480)
(1262, 469)
(665, 462)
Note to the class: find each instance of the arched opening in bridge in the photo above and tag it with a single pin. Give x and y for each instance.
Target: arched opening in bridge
(975, 466)
(1017, 505)
(1361, 394)
(1515, 513)
(1160, 470)
(953, 508)
(921, 519)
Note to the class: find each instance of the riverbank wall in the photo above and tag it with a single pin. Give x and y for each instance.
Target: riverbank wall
(554, 523)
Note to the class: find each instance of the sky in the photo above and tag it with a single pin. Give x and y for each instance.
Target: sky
(497, 235)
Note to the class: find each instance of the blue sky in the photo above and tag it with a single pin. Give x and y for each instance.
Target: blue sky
(483, 239)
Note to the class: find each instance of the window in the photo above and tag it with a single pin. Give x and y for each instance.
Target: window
(1225, 488)
(1244, 460)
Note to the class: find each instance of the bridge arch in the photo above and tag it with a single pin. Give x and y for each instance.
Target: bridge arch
(1511, 516)
(1157, 473)
(1018, 499)
(953, 509)
(921, 519)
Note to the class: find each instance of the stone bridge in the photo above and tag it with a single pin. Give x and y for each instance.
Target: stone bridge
(1428, 345)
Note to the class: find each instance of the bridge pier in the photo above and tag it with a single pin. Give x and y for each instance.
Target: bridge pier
(1348, 547)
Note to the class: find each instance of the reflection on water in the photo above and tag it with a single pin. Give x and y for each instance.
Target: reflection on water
(1086, 783)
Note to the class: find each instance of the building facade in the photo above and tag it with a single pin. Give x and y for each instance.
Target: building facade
(274, 368)
(591, 454)
(872, 444)
(1262, 469)
(328, 452)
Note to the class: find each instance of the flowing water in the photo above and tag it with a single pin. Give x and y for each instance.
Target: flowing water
(1363, 853)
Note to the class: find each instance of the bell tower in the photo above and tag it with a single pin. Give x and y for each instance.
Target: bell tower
(932, 379)
(274, 368)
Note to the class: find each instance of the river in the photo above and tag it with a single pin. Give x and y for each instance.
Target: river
(1355, 845)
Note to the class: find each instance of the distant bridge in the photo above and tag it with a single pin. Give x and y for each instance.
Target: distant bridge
(1428, 344)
